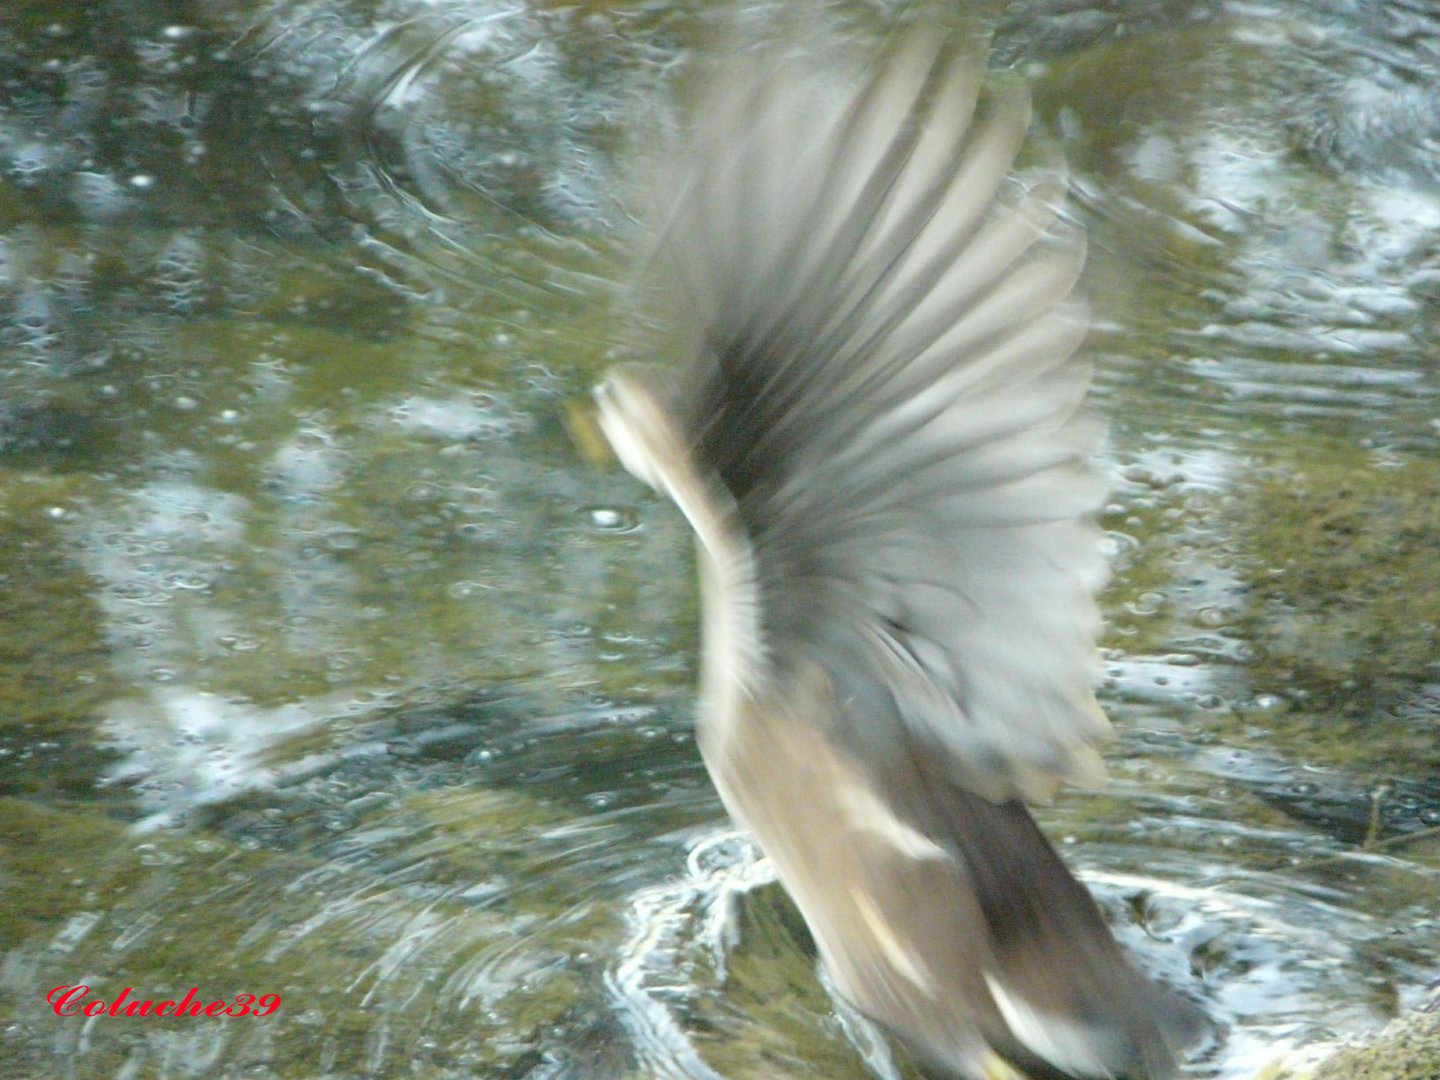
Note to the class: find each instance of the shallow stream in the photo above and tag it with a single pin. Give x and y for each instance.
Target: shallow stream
(331, 669)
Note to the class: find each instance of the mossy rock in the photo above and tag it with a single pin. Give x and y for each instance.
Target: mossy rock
(1407, 1049)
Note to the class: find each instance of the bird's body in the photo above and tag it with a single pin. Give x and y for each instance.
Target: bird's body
(877, 433)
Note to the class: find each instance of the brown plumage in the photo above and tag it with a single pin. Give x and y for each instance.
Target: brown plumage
(876, 430)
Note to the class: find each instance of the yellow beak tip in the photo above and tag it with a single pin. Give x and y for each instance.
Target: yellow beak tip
(584, 430)
(997, 1068)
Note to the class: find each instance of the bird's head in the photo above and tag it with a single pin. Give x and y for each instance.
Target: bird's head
(640, 429)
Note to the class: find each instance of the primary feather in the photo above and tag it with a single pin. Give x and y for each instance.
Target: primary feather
(877, 430)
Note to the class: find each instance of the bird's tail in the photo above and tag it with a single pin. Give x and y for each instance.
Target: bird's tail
(1069, 1002)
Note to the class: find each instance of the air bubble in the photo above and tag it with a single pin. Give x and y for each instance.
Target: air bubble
(464, 590)
(611, 518)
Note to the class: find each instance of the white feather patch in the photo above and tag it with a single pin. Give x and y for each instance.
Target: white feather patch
(1065, 1044)
(868, 813)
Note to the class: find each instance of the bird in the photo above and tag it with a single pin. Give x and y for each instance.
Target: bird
(875, 419)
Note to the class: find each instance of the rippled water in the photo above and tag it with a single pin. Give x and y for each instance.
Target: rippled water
(333, 670)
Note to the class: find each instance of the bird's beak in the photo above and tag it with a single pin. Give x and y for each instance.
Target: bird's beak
(584, 428)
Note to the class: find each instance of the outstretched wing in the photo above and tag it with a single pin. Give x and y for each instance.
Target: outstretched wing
(883, 389)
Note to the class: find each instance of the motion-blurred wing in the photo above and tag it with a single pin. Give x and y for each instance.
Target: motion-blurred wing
(883, 386)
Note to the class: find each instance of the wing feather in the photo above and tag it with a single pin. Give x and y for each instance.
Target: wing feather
(883, 382)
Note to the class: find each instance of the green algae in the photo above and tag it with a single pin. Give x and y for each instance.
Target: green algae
(1343, 601)
(1138, 602)
(55, 657)
(162, 912)
(48, 866)
(771, 1017)
(1346, 589)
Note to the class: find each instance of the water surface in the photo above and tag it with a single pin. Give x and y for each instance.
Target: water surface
(332, 670)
